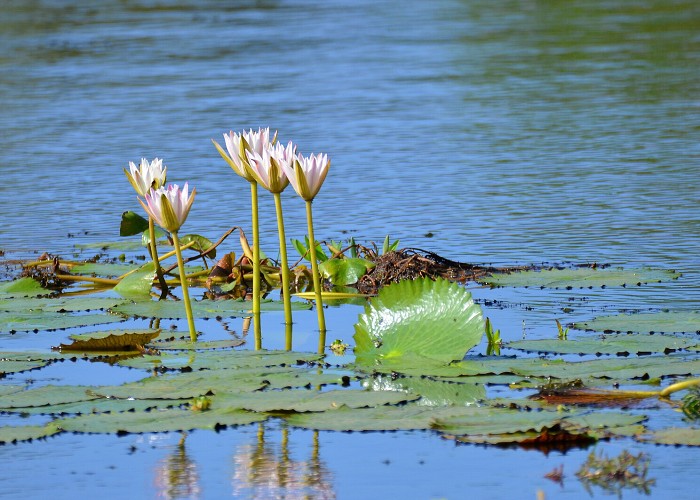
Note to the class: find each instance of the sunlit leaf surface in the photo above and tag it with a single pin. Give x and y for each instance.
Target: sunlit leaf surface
(433, 319)
(662, 322)
(610, 344)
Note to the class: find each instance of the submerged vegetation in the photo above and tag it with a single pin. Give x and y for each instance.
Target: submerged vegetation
(412, 364)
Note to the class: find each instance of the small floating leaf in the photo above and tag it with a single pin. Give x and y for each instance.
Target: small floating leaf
(7, 366)
(312, 401)
(433, 319)
(59, 304)
(138, 284)
(23, 287)
(27, 432)
(200, 243)
(46, 395)
(201, 309)
(103, 269)
(38, 320)
(345, 271)
(132, 223)
(689, 436)
(581, 277)
(664, 322)
(158, 421)
(612, 344)
(188, 345)
(113, 340)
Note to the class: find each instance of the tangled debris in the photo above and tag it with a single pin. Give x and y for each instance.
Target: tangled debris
(413, 263)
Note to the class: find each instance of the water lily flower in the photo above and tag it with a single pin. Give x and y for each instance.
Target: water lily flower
(266, 167)
(147, 175)
(169, 207)
(238, 144)
(306, 174)
(235, 155)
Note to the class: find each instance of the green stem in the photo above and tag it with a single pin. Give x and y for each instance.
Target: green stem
(317, 281)
(679, 386)
(256, 266)
(185, 292)
(285, 269)
(154, 256)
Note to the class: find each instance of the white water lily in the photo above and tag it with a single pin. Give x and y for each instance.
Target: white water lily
(147, 175)
(238, 144)
(169, 207)
(306, 174)
(266, 167)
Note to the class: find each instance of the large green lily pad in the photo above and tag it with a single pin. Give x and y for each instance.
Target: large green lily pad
(661, 322)
(58, 304)
(14, 434)
(581, 277)
(433, 319)
(23, 287)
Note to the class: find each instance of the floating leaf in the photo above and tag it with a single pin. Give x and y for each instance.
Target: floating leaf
(132, 223)
(23, 287)
(306, 401)
(612, 344)
(112, 340)
(581, 277)
(201, 309)
(138, 284)
(7, 366)
(158, 421)
(434, 319)
(46, 395)
(59, 304)
(27, 432)
(689, 436)
(188, 345)
(38, 320)
(379, 418)
(432, 392)
(663, 322)
(345, 271)
(103, 405)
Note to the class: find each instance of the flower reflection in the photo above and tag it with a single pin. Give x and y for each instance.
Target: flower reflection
(176, 475)
(266, 470)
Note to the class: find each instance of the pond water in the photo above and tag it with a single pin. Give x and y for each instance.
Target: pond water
(506, 132)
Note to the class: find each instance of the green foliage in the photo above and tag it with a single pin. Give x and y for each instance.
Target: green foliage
(387, 246)
(431, 319)
(132, 223)
(562, 334)
(347, 271)
(200, 244)
(493, 339)
(303, 248)
(137, 285)
(23, 287)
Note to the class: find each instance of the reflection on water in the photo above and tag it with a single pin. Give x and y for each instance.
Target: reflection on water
(267, 470)
(176, 475)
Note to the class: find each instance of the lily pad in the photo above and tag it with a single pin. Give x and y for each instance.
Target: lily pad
(46, 395)
(112, 340)
(27, 432)
(23, 287)
(201, 309)
(7, 366)
(312, 401)
(433, 392)
(103, 269)
(138, 284)
(158, 421)
(345, 271)
(688, 436)
(661, 322)
(188, 345)
(59, 304)
(612, 344)
(433, 319)
(581, 277)
(11, 322)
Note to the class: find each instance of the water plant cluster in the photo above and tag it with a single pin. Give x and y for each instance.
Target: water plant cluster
(412, 363)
